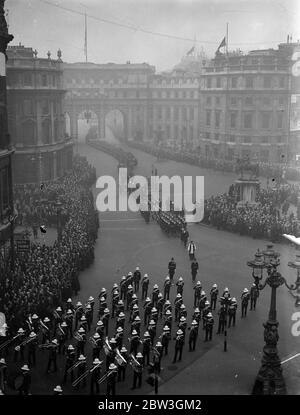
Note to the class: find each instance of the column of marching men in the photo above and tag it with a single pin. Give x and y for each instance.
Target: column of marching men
(129, 307)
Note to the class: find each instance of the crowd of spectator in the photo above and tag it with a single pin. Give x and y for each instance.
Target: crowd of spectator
(47, 275)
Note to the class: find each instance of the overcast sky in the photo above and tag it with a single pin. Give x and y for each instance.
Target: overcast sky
(253, 24)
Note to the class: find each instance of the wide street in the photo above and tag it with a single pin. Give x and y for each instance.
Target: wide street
(125, 241)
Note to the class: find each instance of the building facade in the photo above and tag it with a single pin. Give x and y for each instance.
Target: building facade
(245, 101)
(231, 106)
(36, 116)
(6, 149)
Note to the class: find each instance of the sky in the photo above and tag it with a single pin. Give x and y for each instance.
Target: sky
(47, 25)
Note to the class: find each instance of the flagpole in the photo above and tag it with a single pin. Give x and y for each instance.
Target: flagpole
(226, 38)
(85, 37)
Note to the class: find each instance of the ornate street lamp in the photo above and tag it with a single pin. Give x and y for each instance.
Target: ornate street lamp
(296, 265)
(269, 380)
(87, 115)
(257, 265)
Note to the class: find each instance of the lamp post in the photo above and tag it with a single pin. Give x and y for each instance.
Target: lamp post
(269, 380)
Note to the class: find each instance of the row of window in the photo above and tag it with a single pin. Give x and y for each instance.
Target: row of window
(248, 82)
(266, 119)
(248, 101)
(263, 155)
(28, 107)
(184, 133)
(29, 133)
(246, 139)
(30, 79)
(186, 113)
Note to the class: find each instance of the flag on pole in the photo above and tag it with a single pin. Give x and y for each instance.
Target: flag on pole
(190, 51)
(222, 44)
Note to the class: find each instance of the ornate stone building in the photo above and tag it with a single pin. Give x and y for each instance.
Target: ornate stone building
(245, 101)
(231, 106)
(36, 116)
(6, 149)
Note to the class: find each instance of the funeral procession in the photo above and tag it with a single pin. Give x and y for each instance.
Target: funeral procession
(149, 199)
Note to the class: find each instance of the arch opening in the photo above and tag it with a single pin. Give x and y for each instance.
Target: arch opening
(87, 126)
(115, 125)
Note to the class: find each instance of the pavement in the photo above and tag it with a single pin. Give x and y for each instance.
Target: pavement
(126, 241)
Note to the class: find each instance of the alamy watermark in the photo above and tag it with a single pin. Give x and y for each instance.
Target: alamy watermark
(154, 193)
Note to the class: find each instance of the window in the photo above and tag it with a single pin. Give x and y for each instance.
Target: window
(207, 135)
(264, 140)
(231, 138)
(249, 82)
(191, 113)
(208, 117)
(279, 119)
(27, 79)
(247, 139)
(233, 119)
(266, 101)
(280, 139)
(217, 118)
(218, 82)
(208, 82)
(176, 131)
(267, 82)
(281, 82)
(191, 132)
(184, 113)
(27, 107)
(168, 113)
(53, 80)
(248, 120)
(264, 155)
(233, 101)
(217, 100)
(28, 136)
(45, 107)
(265, 119)
(176, 113)
(46, 134)
(281, 101)
(234, 82)
(249, 101)
(159, 113)
(208, 101)
(230, 154)
(217, 136)
(44, 80)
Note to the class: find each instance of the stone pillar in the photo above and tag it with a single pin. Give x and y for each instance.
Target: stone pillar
(74, 126)
(39, 129)
(129, 126)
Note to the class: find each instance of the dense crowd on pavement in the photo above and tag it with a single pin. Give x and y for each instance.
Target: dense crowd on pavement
(46, 275)
(266, 169)
(269, 218)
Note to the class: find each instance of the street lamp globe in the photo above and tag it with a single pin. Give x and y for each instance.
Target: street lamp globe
(296, 265)
(257, 265)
